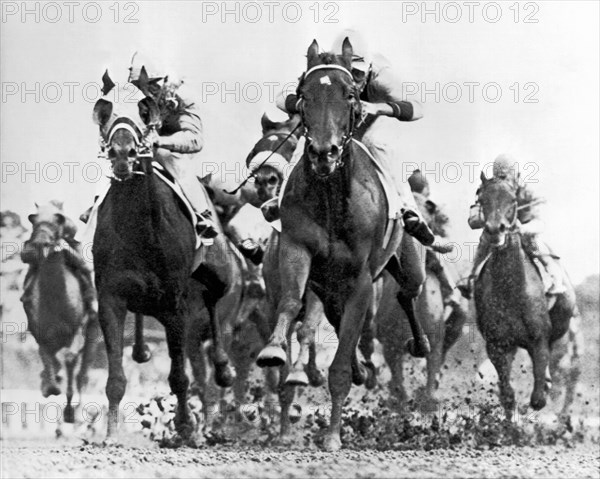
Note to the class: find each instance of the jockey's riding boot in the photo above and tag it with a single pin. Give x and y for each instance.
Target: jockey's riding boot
(558, 286)
(206, 227)
(251, 250)
(416, 227)
(465, 286)
(270, 209)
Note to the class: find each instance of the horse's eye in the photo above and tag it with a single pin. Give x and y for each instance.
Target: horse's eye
(273, 180)
(132, 153)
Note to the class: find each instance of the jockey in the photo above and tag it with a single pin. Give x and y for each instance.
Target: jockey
(530, 226)
(380, 93)
(179, 138)
(74, 258)
(420, 187)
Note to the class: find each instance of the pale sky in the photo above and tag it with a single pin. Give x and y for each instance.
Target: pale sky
(554, 62)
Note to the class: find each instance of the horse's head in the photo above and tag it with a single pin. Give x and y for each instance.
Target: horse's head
(48, 223)
(267, 165)
(329, 105)
(124, 125)
(498, 199)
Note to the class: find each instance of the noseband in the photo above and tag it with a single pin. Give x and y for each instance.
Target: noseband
(142, 148)
(347, 137)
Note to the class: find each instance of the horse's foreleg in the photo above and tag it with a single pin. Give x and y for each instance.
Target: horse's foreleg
(112, 311)
(366, 344)
(340, 372)
(294, 267)
(300, 374)
(502, 361)
(178, 380)
(540, 356)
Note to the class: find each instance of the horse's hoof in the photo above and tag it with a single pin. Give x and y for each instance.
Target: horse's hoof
(295, 413)
(538, 401)
(224, 375)
(271, 356)
(141, 354)
(50, 390)
(315, 377)
(371, 381)
(418, 349)
(332, 443)
(69, 414)
(110, 442)
(297, 378)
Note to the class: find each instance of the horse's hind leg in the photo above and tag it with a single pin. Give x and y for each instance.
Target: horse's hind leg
(48, 375)
(141, 353)
(299, 374)
(112, 311)
(502, 361)
(540, 356)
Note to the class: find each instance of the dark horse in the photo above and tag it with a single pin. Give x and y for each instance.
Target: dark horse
(334, 217)
(144, 252)
(56, 314)
(512, 308)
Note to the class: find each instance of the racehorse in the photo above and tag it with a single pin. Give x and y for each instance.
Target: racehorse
(334, 218)
(512, 308)
(55, 308)
(268, 161)
(442, 328)
(144, 252)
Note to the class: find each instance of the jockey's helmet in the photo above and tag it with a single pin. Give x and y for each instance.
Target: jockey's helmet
(418, 183)
(154, 70)
(505, 167)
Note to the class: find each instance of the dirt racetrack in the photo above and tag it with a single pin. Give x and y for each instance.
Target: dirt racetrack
(31, 459)
(462, 437)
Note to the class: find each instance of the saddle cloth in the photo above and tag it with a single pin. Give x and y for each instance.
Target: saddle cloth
(86, 235)
(385, 178)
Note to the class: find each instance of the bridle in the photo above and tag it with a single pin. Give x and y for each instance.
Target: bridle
(143, 148)
(354, 112)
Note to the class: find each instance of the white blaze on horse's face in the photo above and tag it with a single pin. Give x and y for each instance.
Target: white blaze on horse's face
(122, 153)
(499, 205)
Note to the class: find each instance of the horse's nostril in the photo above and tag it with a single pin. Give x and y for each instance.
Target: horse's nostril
(502, 228)
(334, 151)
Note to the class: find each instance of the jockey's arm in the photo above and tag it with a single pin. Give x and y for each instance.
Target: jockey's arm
(189, 139)
(385, 95)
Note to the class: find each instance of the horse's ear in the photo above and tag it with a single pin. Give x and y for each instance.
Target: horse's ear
(347, 52)
(60, 218)
(32, 218)
(149, 111)
(37, 206)
(205, 180)
(107, 83)
(267, 124)
(102, 112)
(143, 81)
(482, 177)
(312, 55)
